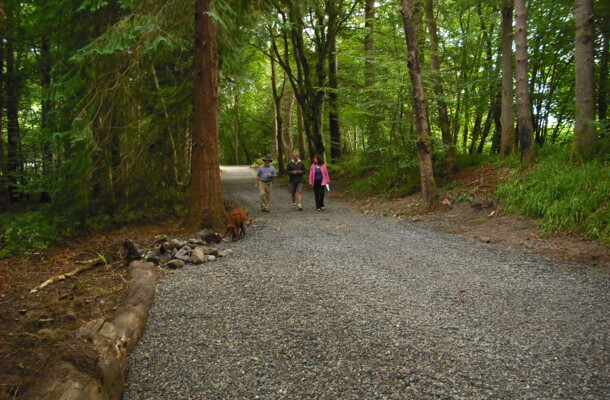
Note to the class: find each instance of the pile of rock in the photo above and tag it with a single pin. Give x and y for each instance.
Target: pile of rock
(175, 253)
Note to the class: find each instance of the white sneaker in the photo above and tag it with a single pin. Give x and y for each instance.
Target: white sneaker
(294, 206)
(300, 207)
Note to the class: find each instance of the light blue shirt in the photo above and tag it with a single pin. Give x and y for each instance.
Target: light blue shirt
(264, 172)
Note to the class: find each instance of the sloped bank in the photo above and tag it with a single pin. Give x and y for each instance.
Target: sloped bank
(92, 364)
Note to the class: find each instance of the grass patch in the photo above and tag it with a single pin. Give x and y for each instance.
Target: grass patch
(564, 196)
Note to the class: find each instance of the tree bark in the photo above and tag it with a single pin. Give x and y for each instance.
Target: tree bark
(524, 104)
(207, 208)
(421, 112)
(508, 141)
(369, 43)
(3, 167)
(584, 65)
(287, 106)
(602, 94)
(14, 161)
(278, 141)
(333, 100)
(444, 123)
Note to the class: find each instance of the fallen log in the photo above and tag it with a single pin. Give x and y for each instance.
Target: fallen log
(88, 264)
(92, 364)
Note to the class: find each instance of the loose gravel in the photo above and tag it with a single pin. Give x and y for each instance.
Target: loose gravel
(340, 305)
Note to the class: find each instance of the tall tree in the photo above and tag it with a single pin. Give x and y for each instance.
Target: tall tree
(424, 147)
(584, 53)
(445, 125)
(13, 95)
(604, 75)
(524, 103)
(333, 84)
(278, 128)
(207, 208)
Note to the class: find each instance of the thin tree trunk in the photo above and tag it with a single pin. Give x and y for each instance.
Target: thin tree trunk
(604, 74)
(304, 150)
(278, 142)
(170, 133)
(45, 112)
(444, 123)
(508, 141)
(207, 208)
(3, 167)
(369, 43)
(236, 128)
(421, 112)
(12, 115)
(524, 104)
(287, 106)
(584, 64)
(333, 102)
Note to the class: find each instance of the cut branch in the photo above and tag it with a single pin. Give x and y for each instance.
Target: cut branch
(88, 264)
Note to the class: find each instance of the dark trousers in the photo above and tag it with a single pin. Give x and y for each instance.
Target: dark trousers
(318, 191)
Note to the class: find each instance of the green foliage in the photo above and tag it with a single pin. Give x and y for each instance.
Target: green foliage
(466, 196)
(25, 233)
(566, 197)
(377, 176)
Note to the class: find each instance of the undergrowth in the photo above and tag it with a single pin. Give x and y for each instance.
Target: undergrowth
(563, 195)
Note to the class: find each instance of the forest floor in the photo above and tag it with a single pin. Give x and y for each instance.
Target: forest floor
(33, 324)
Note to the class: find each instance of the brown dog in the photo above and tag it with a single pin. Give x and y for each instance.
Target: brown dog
(236, 227)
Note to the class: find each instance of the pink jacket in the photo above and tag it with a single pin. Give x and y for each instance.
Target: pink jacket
(312, 174)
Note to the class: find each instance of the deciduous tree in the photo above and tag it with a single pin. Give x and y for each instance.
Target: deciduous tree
(419, 102)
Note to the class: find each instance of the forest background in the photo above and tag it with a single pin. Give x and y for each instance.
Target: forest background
(101, 108)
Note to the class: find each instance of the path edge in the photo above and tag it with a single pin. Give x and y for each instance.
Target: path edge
(92, 364)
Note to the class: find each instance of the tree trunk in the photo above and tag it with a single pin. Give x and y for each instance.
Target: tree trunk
(12, 114)
(604, 74)
(287, 106)
(304, 150)
(524, 104)
(369, 43)
(584, 65)
(278, 142)
(333, 102)
(3, 167)
(508, 141)
(438, 89)
(236, 128)
(207, 208)
(421, 112)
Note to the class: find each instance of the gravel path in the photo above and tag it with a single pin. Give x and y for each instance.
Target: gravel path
(339, 305)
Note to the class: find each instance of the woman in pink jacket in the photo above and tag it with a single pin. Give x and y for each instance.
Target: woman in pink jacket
(318, 177)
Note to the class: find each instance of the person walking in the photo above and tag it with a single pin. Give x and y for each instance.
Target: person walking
(264, 182)
(318, 177)
(295, 170)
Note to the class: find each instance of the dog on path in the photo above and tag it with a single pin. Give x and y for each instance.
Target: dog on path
(236, 227)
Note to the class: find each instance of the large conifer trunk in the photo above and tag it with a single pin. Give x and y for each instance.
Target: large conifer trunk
(207, 209)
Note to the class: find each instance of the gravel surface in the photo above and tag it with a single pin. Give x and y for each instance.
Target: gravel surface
(340, 305)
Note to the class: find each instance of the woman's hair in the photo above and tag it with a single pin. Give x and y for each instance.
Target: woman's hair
(319, 158)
